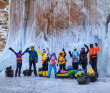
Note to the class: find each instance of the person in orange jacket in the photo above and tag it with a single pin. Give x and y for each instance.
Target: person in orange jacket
(93, 56)
(61, 60)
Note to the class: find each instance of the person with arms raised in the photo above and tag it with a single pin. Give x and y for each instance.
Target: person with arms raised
(33, 59)
(19, 61)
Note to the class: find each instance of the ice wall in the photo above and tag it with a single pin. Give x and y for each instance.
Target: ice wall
(57, 24)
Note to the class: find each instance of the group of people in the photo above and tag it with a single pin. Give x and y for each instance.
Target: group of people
(47, 57)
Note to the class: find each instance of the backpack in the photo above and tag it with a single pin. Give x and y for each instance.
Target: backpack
(83, 80)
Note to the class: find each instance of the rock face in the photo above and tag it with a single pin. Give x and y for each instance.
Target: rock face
(52, 15)
(4, 11)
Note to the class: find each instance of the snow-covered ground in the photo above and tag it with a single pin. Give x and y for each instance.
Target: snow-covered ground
(51, 85)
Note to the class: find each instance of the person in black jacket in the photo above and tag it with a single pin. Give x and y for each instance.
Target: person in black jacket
(83, 57)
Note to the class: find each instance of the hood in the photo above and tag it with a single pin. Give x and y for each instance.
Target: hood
(92, 47)
(61, 52)
(53, 52)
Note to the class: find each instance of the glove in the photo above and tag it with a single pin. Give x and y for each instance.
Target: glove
(36, 61)
(39, 47)
(90, 56)
(63, 49)
(85, 45)
(10, 49)
(69, 52)
(96, 44)
(90, 63)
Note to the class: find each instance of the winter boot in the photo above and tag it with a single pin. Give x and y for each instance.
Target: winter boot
(48, 76)
(55, 76)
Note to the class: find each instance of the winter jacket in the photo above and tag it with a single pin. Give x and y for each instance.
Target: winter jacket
(74, 57)
(47, 59)
(32, 54)
(43, 55)
(93, 53)
(61, 58)
(83, 56)
(75, 54)
(53, 58)
(19, 56)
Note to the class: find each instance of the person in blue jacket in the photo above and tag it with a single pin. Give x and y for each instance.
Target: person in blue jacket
(75, 58)
(33, 59)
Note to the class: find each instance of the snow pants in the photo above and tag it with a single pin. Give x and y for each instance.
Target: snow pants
(75, 66)
(45, 66)
(30, 66)
(62, 66)
(84, 65)
(19, 65)
(94, 65)
(50, 69)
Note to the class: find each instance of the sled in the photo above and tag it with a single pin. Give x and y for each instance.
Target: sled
(62, 75)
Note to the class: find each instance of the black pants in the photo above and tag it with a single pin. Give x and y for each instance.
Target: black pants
(62, 66)
(84, 65)
(75, 66)
(19, 65)
(94, 65)
(30, 66)
(45, 66)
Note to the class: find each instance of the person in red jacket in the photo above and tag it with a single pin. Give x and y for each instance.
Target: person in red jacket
(93, 56)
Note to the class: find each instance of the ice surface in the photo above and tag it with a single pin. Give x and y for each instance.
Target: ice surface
(51, 85)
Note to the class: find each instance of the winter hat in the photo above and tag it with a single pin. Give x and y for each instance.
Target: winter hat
(44, 50)
(61, 52)
(53, 52)
(32, 46)
(75, 48)
(91, 45)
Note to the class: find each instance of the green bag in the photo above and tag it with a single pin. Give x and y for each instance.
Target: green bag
(71, 72)
(83, 80)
